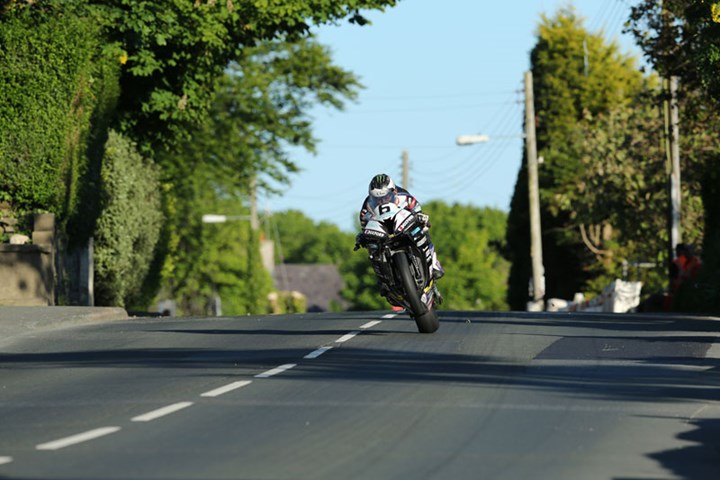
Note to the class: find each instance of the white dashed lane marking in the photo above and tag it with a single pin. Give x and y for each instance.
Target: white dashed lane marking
(277, 370)
(227, 388)
(370, 324)
(79, 438)
(161, 412)
(346, 337)
(317, 352)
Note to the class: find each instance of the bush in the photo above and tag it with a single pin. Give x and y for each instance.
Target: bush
(57, 89)
(129, 225)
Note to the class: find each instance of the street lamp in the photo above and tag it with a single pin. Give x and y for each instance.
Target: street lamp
(212, 218)
(471, 139)
(536, 256)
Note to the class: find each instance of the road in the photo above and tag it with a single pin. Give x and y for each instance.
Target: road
(363, 396)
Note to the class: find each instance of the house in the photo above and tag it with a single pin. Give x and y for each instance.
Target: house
(320, 283)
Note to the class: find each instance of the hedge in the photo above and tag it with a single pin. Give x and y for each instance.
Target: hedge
(129, 225)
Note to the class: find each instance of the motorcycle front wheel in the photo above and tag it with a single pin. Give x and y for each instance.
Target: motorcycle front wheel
(426, 320)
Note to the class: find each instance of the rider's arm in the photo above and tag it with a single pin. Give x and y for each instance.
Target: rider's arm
(411, 202)
(414, 206)
(364, 213)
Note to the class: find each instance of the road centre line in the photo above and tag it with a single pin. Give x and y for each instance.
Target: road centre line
(317, 352)
(275, 371)
(390, 315)
(370, 324)
(5, 460)
(161, 412)
(79, 438)
(227, 388)
(346, 337)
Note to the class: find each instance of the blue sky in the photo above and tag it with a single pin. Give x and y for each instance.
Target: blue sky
(432, 71)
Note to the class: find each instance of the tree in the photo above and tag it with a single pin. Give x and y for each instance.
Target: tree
(163, 62)
(575, 73)
(259, 110)
(301, 240)
(470, 242)
(130, 204)
(682, 38)
(173, 51)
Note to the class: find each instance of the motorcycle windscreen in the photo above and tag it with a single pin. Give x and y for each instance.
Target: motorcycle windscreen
(375, 228)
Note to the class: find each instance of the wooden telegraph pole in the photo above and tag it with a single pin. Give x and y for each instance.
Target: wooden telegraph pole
(405, 169)
(536, 255)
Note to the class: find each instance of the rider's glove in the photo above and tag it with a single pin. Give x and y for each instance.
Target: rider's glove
(357, 242)
(423, 219)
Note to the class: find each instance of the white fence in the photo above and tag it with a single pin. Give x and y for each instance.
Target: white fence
(618, 297)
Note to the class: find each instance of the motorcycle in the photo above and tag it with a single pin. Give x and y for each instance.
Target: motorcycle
(397, 249)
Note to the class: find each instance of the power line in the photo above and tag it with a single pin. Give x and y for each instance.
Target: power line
(470, 167)
(421, 97)
(500, 124)
(464, 106)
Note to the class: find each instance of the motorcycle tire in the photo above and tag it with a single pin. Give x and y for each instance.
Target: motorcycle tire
(426, 320)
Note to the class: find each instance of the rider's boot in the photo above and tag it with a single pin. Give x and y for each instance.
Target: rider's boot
(438, 295)
(438, 270)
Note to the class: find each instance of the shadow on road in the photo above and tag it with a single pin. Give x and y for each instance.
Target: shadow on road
(657, 361)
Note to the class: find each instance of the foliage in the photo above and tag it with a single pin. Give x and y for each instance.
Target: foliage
(258, 111)
(469, 243)
(304, 241)
(299, 239)
(287, 302)
(361, 286)
(151, 69)
(57, 92)
(682, 38)
(576, 73)
(173, 51)
(262, 106)
(622, 194)
(129, 224)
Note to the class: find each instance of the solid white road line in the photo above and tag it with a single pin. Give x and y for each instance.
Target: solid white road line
(4, 460)
(227, 388)
(346, 337)
(161, 412)
(317, 352)
(370, 324)
(79, 438)
(276, 370)
(390, 315)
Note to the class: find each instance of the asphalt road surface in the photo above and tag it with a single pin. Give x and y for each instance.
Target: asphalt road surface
(363, 396)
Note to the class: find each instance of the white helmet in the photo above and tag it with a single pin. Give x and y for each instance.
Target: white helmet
(381, 185)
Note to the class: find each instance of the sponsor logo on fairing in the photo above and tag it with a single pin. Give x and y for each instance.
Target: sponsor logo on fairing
(374, 233)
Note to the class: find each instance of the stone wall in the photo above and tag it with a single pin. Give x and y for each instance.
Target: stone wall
(27, 271)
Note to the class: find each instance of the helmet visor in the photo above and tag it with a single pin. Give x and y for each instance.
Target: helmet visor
(389, 197)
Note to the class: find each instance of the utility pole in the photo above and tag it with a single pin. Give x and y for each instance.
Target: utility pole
(254, 222)
(405, 170)
(672, 149)
(538, 271)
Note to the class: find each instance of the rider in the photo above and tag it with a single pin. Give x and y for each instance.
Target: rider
(383, 190)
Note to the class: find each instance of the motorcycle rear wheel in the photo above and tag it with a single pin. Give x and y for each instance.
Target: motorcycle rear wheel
(426, 320)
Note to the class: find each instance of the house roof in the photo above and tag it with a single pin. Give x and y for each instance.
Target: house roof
(320, 283)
